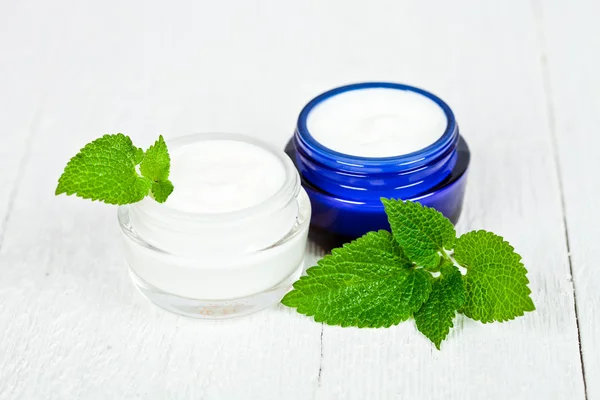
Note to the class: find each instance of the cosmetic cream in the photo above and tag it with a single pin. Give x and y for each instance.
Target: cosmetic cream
(377, 122)
(230, 239)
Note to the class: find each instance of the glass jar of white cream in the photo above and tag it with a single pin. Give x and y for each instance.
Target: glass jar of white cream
(230, 239)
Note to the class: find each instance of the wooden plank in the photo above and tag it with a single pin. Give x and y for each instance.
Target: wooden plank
(489, 71)
(71, 323)
(571, 37)
(14, 154)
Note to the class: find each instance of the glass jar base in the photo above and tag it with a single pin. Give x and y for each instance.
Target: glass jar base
(215, 309)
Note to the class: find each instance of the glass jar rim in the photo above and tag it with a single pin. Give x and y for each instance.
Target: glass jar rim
(284, 195)
(446, 139)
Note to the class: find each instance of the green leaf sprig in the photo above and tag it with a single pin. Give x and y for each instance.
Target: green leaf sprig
(106, 170)
(421, 270)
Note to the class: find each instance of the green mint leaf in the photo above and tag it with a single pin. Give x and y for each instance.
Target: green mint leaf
(422, 232)
(105, 170)
(447, 295)
(161, 190)
(156, 162)
(496, 281)
(367, 283)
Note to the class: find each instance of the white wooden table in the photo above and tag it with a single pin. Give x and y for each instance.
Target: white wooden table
(522, 77)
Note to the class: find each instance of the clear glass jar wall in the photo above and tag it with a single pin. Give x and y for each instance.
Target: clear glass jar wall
(219, 265)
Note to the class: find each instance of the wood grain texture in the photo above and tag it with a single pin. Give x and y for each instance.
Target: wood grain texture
(571, 40)
(71, 324)
(19, 122)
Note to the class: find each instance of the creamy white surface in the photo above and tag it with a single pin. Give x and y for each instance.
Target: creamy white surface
(217, 176)
(377, 122)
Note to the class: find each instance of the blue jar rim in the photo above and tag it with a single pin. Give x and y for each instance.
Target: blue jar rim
(439, 146)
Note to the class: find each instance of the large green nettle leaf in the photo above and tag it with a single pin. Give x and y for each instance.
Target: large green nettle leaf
(367, 283)
(382, 278)
(422, 232)
(496, 281)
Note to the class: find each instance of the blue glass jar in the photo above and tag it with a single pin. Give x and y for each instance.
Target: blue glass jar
(345, 190)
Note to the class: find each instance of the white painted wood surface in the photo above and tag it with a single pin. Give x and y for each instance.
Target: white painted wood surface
(521, 77)
(572, 48)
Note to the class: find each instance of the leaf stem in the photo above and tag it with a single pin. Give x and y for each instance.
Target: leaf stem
(450, 258)
(447, 257)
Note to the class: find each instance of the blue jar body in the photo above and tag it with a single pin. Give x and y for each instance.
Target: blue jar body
(345, 191)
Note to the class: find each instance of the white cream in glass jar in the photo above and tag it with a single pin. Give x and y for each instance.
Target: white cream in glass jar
(230, 239)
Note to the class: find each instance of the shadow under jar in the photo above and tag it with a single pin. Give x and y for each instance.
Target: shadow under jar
(230, 239)
(358, 143)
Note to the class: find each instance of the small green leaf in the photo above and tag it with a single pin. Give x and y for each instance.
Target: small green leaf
(156, 162)
(496, 281)
(422, 232)
(367, 283)
(161, 190)
(105, 170)
(447, 295)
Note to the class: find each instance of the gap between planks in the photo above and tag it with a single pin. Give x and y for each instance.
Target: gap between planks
(538, 16)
